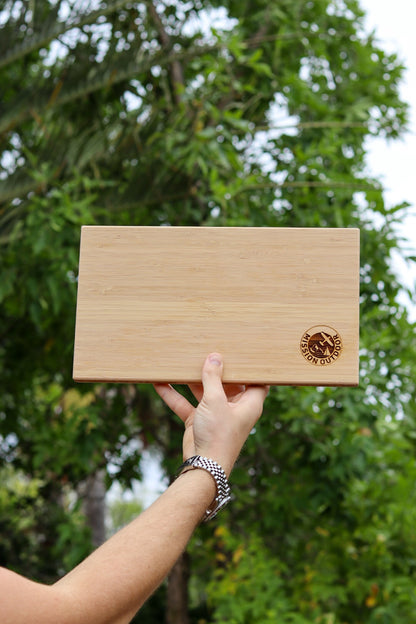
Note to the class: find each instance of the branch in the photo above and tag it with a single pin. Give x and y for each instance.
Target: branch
(304, 125)
(176, 70)
(330, 184)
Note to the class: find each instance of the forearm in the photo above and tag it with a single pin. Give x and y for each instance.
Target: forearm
(112, 584)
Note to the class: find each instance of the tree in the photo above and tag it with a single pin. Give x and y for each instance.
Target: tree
(214, 114)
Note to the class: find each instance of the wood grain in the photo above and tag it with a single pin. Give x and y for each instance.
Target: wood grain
(154, 301)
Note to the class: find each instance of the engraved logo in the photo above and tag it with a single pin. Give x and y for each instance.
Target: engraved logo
(321, 345)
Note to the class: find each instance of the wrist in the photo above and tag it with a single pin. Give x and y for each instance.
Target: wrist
(222, 459)
(200, 483)
(218, 476)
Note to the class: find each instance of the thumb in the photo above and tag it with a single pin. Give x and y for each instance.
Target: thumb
(211, 377)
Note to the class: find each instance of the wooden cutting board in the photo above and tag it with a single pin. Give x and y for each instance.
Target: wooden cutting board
(281, 304)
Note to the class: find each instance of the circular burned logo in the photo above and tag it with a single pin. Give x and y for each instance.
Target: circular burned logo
(321, 345)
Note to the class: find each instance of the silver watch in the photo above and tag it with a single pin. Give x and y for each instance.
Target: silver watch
(215, 470)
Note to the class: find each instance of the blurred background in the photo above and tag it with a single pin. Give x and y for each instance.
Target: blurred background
(393, 161)
(177, 112)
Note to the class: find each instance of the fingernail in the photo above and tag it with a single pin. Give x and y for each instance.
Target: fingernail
(214, 359)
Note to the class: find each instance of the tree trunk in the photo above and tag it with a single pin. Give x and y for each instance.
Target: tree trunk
(177, 592)
(94, 507)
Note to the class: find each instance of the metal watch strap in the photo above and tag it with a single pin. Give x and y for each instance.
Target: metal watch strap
(220, 478)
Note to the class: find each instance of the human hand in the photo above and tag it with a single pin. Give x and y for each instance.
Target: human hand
(218, 427)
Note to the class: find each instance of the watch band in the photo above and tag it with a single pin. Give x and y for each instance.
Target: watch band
(220, 478)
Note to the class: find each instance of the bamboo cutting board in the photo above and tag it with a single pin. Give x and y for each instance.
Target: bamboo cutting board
(280, 304)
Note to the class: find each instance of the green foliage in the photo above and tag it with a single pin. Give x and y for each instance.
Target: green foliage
(122, 511)
(45, 530)
(248, 586)
(326, 529)
(158, 114)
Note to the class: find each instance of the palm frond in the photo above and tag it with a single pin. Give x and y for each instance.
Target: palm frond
(18, 184)
(106, 75)
(51, 30)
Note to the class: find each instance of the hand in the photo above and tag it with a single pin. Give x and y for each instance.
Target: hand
(218, 427)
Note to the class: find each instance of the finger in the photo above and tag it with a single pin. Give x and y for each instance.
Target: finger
(233, 391)
(212, 377)
(256, 394)
(174, 400)
(197, 390)
(252, 400)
